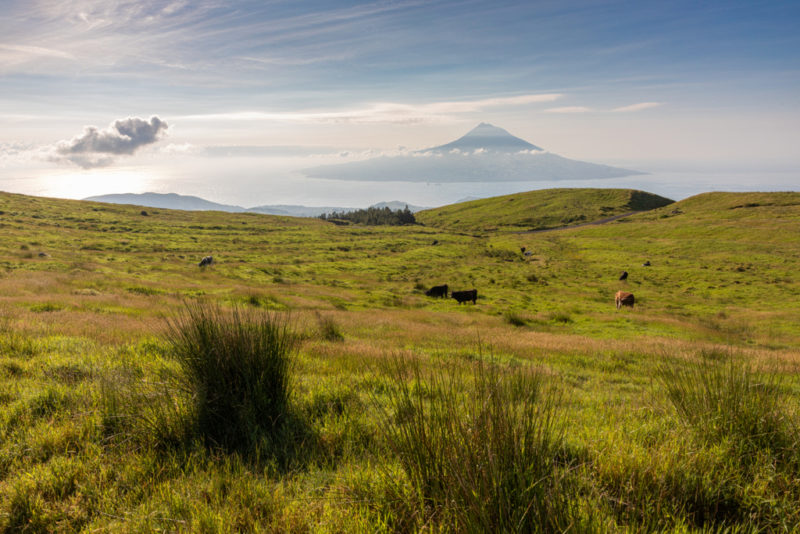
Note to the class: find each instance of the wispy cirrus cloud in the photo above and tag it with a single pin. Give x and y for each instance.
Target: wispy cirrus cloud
(637, 107)
(114, 35)
(16, 53)
(385, 112)
(569, 109)
(624, 109)
(99, 148)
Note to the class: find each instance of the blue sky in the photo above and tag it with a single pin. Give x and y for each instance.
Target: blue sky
(714, 84)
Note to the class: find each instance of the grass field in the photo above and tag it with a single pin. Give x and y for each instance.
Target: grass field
(540, 408)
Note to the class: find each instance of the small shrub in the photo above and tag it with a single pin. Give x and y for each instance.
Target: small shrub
(146, 291)
(514, 319)
(46, 307)
(235, 368)
(328, 329)
(560, 317)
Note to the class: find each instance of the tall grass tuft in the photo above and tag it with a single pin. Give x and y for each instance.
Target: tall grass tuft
(731, 399)
(328, 329)
(514, 319)
(740, 412)
(480, 450)
(235, 366)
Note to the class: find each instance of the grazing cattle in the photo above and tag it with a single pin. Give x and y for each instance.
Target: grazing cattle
(522, 249)
(646, 264)
(144, 213)
(464, 296)
(528, 254)
(623, 298)
(435, 242)
(208, 260)
(437, 291)
(624, 275)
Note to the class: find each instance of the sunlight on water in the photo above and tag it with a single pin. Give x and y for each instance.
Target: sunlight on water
(82, 184)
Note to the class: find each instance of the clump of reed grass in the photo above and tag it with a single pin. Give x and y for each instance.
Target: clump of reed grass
(514, 319)
(741, 428)
(560, 317)
(328, 329)
(235, 366)
(731, 399)
(482, 451)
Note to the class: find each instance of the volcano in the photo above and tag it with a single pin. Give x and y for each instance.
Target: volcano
(485, 137)
(485, 154)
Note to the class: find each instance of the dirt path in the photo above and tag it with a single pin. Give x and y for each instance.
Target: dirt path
(592, 223)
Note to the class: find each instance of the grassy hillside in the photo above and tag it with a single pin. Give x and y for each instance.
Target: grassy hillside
(536, 210)
(678, 415)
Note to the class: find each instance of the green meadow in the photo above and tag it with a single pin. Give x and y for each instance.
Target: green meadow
(304, 382)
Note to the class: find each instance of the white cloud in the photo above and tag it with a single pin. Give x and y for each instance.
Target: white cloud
(180, 149)
(638, 107)
(97, 148)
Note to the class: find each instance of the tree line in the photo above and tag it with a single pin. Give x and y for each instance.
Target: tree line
(373, 216)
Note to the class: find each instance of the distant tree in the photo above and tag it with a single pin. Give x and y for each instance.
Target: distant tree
(373, 216)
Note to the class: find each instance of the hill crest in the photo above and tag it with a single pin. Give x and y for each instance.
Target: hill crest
(540, 209)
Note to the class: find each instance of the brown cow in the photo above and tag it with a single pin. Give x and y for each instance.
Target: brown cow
(623, 298)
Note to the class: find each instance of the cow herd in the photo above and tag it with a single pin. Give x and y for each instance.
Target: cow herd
(621, 298)
(460, 296)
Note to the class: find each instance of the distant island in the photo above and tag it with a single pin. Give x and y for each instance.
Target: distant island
(485, 154)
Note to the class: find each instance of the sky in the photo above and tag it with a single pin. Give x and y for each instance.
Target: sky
(231, 100)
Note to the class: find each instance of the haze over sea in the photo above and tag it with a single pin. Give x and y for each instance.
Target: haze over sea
(283, 185)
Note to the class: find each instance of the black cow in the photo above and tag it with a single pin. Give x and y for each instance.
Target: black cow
(208, 260)
(624, 275)
(437, 291)
(646, 264)
(464, 296)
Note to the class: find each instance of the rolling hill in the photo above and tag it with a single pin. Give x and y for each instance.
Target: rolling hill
(538, 210)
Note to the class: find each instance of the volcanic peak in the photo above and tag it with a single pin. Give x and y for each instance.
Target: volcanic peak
(488, 138)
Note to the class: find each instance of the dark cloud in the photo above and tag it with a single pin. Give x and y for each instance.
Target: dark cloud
(98, 148)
